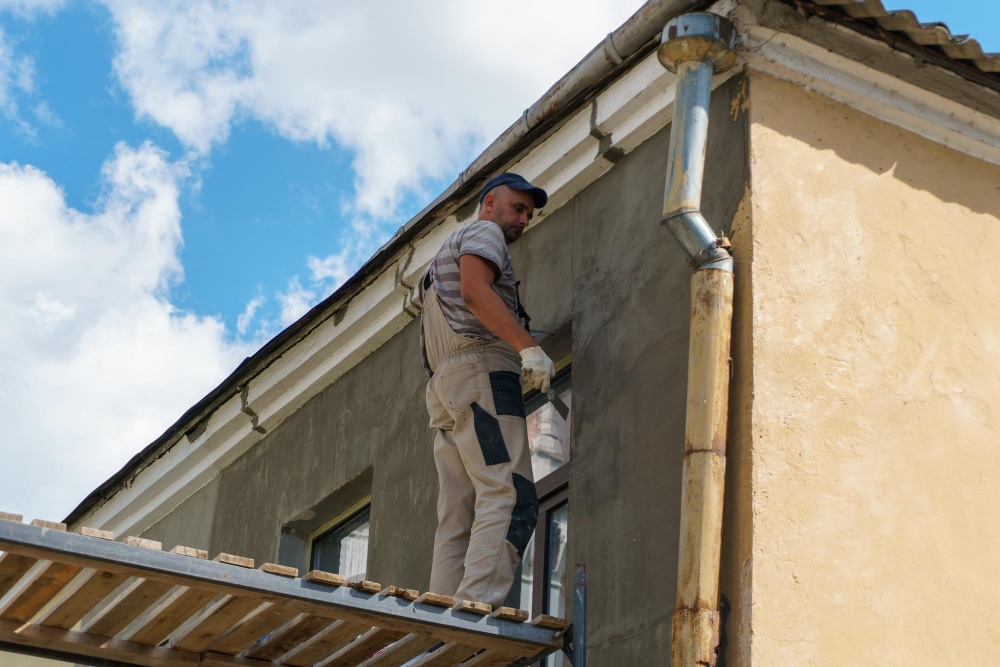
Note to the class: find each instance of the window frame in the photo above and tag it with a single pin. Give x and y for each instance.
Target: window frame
(333, 524)
(555, 499)
(553, 493)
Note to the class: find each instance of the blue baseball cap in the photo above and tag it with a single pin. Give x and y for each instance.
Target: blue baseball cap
(517, 182)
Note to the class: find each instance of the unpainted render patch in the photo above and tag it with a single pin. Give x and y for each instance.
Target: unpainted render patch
(604, 148)
(245, 407)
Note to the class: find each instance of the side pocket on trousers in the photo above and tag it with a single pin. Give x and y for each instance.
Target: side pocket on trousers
(458, 387)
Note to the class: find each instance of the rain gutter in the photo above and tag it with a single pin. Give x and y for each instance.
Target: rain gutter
(696, 46)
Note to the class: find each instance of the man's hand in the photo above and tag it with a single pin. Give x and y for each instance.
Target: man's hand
(536, 369)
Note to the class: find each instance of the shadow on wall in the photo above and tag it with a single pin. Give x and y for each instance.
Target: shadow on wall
(923, 164)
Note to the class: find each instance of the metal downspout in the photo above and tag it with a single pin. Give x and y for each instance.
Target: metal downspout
(696, 46)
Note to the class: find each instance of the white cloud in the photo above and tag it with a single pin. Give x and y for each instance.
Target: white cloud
(30, 7)
(17, 73)
(295, 301)
(325, 275)
(16, 77)
(334, 269)
(246, 317)
(94, 358)
(412, 90)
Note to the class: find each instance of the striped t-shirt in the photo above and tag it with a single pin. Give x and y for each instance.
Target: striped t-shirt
(485, 239)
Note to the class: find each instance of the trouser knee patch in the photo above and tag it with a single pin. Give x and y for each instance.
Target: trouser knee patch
(507, 396)
(525, 514)
(490, 438)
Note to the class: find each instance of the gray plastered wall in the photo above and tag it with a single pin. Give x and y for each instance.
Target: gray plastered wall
(605, 267)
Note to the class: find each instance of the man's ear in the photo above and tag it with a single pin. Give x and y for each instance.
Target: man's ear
(489, 202)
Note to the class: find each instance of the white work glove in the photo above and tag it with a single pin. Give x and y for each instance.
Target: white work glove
(536, 369)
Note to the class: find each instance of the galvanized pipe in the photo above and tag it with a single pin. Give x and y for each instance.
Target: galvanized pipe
(686, 161)
(695, 46)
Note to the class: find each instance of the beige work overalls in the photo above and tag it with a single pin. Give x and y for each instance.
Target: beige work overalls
(487, 506)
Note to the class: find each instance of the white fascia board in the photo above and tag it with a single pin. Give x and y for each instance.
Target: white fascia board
(876, 93)
(632, 102)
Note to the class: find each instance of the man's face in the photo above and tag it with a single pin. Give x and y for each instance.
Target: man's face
(510, 209)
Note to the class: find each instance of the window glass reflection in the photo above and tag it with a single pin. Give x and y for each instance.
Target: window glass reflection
(549, 433)
(555, 598)
(527, 574)
(344, 549)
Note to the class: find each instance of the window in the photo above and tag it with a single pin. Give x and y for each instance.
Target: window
(544, 587)
(331, 535)
(344, 547)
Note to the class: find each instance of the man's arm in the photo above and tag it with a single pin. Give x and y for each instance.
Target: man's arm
(477, 275)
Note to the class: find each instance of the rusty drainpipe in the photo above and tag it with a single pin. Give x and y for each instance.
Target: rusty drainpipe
(695, 46)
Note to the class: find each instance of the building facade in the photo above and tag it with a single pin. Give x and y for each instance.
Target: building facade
(853, 165)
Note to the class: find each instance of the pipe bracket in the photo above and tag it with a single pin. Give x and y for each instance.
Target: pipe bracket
(611, 50)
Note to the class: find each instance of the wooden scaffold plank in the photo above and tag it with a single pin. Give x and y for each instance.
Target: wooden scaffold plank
(12, 568)
(290, 637)
(362, 648)
(127, 606)
(323, 644)
(91, 646)
(401, 652)
(492, 659)
(98, 586)
(448, 655)
(49, 525)
(410, 594)
(50, 580)
(254, 627)
(220, 660)
(511, 614)
(546, 621)
(219, 618)
(170, 614)
(474, 607)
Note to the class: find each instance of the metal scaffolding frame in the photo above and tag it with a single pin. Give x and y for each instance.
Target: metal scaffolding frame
(80, 597)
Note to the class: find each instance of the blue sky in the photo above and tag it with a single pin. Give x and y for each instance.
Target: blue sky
(182, 179)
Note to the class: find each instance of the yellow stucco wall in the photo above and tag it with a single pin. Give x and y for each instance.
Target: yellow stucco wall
(876, 377)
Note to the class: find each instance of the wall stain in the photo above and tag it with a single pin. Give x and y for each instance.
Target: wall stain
(740, 102)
